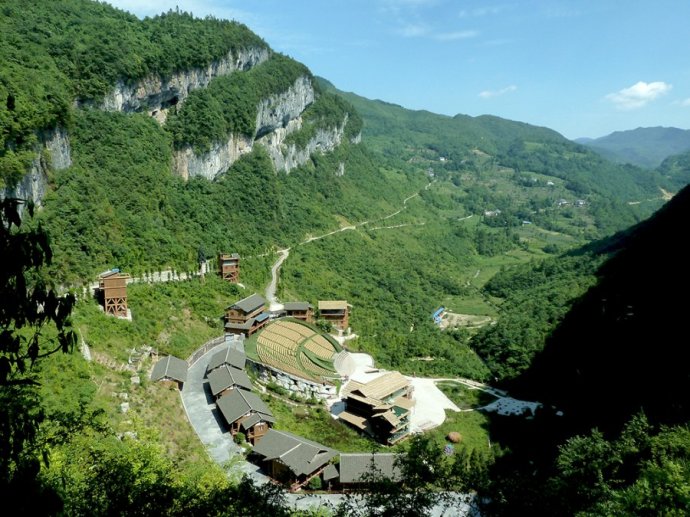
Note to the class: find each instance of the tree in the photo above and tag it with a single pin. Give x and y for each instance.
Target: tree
(34, 323)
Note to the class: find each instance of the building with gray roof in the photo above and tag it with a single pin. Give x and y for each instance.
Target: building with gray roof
(292, 459)
(225, 378)
(230, 356)
(238, 406)
(171, 369)
(353, 467)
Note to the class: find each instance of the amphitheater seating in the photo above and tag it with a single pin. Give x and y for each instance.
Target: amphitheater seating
(282, 345)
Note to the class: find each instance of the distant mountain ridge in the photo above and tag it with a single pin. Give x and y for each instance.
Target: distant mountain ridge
(645, 146)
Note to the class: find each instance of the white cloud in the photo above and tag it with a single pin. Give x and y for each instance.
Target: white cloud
(638, 95)
(481, 11)
(685, 103)
(413, 30)
(490, 94)
(452, 36)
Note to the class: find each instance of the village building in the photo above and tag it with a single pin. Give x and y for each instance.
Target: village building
(299, 310)
(112, 292)
(247, 413)
(170, 370)
(379, 406)
(353, 467)
(336, 312)
(230, 356)
(229, 267)
(226, 378)
(246, 316)
(291, 459)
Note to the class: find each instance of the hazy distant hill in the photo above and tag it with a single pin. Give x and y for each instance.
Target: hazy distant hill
(644, 146)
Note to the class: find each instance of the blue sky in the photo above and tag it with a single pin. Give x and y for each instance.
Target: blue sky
(583, 68)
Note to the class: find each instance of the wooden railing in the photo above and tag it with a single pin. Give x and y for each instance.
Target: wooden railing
(199, 352)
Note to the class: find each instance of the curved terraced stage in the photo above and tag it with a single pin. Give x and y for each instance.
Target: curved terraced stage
(297, 349)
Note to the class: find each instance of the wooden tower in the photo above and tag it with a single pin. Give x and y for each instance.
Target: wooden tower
(113, 287)
(229, 266)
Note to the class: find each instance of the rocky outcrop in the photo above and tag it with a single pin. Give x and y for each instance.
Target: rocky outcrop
(209, 164)
(287, 157)
(155, 93)
(276, 117)
(52, 153)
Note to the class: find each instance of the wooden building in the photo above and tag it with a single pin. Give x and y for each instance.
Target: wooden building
(353, 468)
(230, 356)
(112, 287)
(171, 370)
(247, 413)
(229, 267)
(299, 310)
(291, 459)
(246, 316)
(380, 406)
(225, 378)
(336, 312)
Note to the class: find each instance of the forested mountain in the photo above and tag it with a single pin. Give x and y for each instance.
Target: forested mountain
(598, 336)
(156, 144)
(645, 147)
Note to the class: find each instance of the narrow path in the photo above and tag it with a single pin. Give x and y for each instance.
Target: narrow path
(272, 286)
(283, 254)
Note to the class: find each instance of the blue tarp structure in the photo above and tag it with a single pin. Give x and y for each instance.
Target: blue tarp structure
(437, 315)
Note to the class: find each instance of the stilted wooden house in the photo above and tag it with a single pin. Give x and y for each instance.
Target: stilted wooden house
(246, 316)
(380, 407)
(245, 412)
(229, 267)
(224, 379)
(112, 287)
(336, 312)
(292, 459)
(299, 310)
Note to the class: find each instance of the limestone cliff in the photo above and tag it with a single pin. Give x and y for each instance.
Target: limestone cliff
(52, 153)
(156, 93)
(287, 157)
(277, 117)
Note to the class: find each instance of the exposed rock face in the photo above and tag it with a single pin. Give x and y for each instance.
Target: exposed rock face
(277, 117)
(52, 152)
(286, 158)
(221, 156)
(155, 93)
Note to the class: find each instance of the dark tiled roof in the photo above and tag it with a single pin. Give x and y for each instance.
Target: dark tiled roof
(240, 326)
(354, 466)
(250, 421)
(249, 304)
(230, 356)
(300, 455)
(297, 306)
(170, 368)
(238, 403)
(226, 376)
(330, 472)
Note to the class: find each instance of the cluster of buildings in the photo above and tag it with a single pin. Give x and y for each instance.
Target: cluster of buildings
(377, 403)
(251, 314)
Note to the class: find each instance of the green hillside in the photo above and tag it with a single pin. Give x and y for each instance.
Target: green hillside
(610, 357)
(645, 147)
(475, 150)
(486, 217)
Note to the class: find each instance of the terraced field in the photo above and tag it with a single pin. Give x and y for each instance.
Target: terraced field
(297, 349)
